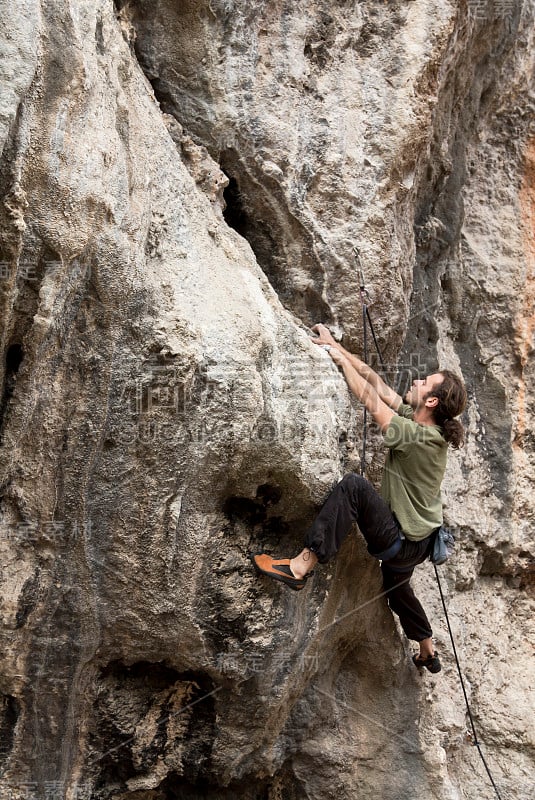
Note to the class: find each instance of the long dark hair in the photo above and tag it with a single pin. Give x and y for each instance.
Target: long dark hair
(452, 398)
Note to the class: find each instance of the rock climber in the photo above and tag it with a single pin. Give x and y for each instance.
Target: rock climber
(399, 522)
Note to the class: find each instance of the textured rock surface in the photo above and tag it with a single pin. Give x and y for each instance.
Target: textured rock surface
(182, 185)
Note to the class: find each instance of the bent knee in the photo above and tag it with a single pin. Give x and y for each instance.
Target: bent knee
(355, 482)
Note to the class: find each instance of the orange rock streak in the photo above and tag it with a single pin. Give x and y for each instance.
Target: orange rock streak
(526, 323)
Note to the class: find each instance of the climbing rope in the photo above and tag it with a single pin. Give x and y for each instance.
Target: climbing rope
(365, 317)
(367, 321)
(476, 741)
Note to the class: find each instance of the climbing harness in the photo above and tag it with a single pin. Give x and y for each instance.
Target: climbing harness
(367, 322)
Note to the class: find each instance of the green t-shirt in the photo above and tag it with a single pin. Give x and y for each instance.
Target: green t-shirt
(414, 469)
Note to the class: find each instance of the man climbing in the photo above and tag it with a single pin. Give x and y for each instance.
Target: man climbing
(397, 524)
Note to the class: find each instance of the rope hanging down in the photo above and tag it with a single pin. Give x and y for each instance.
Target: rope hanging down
(365, 313)
(367, 322)
(476, 742)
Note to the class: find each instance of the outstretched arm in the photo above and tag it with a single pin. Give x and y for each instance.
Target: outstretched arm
(364, 390)
(384, 392)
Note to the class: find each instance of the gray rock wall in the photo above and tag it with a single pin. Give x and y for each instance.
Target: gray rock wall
(182, 187)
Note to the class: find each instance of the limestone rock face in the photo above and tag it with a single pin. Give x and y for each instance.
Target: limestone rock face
(183, 186)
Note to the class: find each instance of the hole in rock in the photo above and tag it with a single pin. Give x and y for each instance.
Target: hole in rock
(234, 214)
(258, 211)
(269, 494)
(146, 713)
(282, 787)
(9, 714)
(245, 215)
(244, 509)
(252, 511)
(33, 262)
(14, 357)
(276, 517)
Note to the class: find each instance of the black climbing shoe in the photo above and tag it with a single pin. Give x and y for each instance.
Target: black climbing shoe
(431, 663)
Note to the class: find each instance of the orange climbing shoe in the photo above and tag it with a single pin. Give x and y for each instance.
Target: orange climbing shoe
(431, 663)
(279, 570)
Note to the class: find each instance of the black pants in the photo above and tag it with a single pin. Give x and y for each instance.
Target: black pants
(355, 500)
